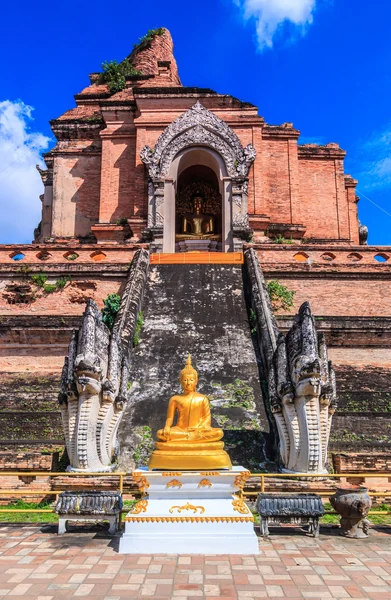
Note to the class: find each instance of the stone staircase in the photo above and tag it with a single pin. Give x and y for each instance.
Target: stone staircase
(198, 309)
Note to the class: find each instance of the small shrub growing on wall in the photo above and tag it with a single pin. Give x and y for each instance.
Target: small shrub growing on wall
(111, 306)
(39, 279)
(145, 41)
(280, 296)
(144, 449)
(139, 326)
(122, 221)
(115, 74)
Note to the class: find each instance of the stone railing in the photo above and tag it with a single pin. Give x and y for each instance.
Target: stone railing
(301, 388)
(326, 257)
(67, 253)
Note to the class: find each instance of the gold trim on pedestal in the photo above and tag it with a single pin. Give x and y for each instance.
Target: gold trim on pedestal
(188, 506)
(239, 505)
(141, 506)
(141, 482)
(205, 483)
(189, 519)
(174, 483)
(241, 479)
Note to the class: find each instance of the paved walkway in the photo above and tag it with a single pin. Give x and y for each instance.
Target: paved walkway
(37, 564)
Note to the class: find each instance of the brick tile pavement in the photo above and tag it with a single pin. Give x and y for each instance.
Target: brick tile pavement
(36, 564)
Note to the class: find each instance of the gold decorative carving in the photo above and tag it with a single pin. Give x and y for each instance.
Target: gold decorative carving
(141, 482)
(239, 505)
(171, 474)
(188, 506)
(189, 519)
(241, 479)
(174, 483)
(141, 506)
(205, 483)
(210, 473)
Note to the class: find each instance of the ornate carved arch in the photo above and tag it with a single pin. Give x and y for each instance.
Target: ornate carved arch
(198, 126)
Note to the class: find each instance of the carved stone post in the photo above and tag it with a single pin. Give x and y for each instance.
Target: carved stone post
(95, 378)
(302, 391)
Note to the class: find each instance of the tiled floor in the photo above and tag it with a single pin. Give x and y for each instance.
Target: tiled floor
(37, 564)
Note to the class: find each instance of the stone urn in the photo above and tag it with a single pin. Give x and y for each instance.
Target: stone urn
(353, 503)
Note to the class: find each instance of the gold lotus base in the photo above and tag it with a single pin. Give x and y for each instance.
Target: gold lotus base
(189, 459)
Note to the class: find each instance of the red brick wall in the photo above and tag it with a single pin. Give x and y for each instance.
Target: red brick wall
(341, 297)
(317, 206)
(275, 176)
(76, 192)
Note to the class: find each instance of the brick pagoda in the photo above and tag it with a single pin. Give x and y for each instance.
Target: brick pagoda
(127, 159)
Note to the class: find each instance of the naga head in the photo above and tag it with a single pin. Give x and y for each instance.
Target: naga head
(87, 386)
(306, 376)
(108, 392)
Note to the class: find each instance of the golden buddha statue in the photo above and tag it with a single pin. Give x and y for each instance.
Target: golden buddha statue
(192, 443)
(197, 225)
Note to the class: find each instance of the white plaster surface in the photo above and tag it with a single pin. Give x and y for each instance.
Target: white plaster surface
(190, 518)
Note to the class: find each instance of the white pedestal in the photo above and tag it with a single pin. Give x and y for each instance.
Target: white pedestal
(190, 512)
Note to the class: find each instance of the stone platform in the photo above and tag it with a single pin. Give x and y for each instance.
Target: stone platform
(192, 509)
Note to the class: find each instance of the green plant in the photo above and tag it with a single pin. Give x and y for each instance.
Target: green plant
(145, 448)
(25, 269)
(280, 296)
(240, 394)
(111, 307)
(280, 239)
(61, 283)
(39, 279)
(115, 74)
(122, 221)
(146, 39)
(72, 256)
(253, 322)
(49, 288)
(139, 326)
(28, 517)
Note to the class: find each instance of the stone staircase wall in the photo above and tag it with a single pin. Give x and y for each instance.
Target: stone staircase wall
(201, 310)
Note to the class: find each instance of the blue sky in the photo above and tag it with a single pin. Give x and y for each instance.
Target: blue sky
(322, 64)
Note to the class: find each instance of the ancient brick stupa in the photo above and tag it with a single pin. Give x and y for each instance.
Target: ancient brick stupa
(193, 176)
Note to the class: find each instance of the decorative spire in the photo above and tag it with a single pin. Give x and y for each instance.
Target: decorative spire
(189, 369)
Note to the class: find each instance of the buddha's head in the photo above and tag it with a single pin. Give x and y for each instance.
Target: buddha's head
(198, 203)
(189, 377)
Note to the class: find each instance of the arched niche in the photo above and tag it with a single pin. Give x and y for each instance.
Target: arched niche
(200, 164)
(197, 137)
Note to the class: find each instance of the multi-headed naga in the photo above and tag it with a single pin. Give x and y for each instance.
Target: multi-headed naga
(302, 393)
(93, 394)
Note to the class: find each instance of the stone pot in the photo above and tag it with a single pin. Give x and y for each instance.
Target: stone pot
(353, 503)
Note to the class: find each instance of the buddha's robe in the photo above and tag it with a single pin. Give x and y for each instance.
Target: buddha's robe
(194, 420)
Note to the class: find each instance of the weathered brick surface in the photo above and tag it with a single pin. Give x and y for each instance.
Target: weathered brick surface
(290, 184)
(159, 50)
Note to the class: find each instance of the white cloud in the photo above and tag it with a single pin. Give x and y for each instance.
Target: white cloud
(271, 15)
(20, 183)
(371, 160)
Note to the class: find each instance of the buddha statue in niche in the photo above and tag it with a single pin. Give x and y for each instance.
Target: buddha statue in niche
(198, 224)
(191, 443)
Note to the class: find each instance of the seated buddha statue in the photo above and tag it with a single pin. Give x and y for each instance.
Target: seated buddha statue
(198, 224)
(190, 443)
